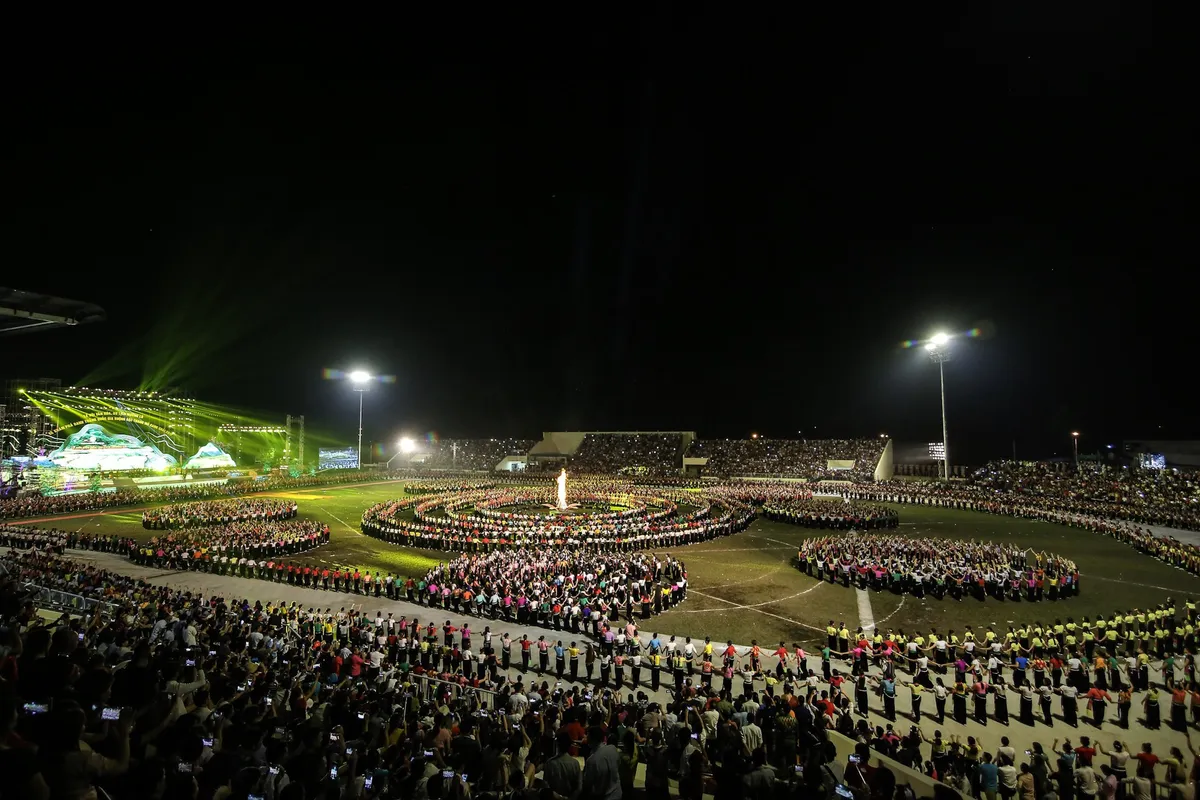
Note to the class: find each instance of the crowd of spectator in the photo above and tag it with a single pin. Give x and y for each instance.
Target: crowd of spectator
(219, 512)
(640, 454)
(166, 693)
(1165, 497)
(812, 459)
(939, 567)
(481, 455)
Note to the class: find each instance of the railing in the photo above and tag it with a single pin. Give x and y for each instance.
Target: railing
(67, 602)
(425, 682)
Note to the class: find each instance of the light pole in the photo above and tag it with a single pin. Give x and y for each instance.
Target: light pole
(1075, 447)
(362, 381)
(939, 354)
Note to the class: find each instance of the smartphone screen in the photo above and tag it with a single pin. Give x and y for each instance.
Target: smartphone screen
(110, 713)
(368, 781)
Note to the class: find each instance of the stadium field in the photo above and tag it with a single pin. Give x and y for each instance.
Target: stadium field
(746, 587)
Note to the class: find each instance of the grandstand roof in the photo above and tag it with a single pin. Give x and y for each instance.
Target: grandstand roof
(24, 312)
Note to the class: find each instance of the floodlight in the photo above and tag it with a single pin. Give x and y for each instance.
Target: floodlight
(930, 346)
(940, 338)
(359, 376)
(407, 445)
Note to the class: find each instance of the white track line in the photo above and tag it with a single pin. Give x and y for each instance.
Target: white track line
(751, 606)
(85, 522)
(766, 574)
(330, 513)
(1130, 583)
(700, 553)
(792, 545)
(894, 613)
(866, 618)
(737, 607)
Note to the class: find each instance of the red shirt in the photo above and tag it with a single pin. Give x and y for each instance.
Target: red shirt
(577, 734)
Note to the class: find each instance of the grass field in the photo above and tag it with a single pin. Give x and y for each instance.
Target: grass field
(744, 587)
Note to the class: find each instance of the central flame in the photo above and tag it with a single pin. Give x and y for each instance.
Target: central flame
(562, 490)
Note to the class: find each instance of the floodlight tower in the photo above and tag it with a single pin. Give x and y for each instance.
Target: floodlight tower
(939, 354)
(1075, 447)
(362, 384)
(406, 446)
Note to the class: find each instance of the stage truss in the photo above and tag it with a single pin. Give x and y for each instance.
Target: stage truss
(293, 428)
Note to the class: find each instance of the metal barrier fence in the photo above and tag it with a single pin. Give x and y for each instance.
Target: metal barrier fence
(426, 683)
(58, 600)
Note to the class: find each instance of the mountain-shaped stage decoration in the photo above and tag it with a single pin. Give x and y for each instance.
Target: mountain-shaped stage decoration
(92, 447)
(210, 457)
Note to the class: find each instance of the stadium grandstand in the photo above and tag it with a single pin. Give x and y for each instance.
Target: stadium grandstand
(470, 454)
(664, 453)
(810, 459)
(629, 454)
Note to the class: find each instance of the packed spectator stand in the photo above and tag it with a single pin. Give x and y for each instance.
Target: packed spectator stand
(1165, 497)
(480, 455)
(629, 453)
(790, 458)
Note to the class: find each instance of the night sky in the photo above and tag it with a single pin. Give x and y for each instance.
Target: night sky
(681, 226)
